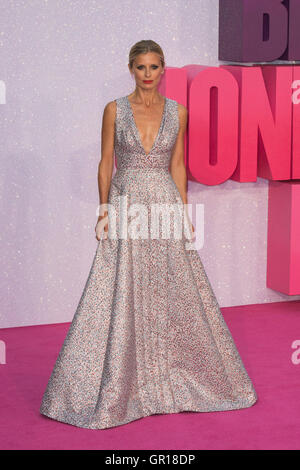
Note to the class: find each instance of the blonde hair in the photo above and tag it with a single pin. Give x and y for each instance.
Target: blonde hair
(144, 46)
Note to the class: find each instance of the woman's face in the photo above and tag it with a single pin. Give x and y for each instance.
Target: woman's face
(147, 70)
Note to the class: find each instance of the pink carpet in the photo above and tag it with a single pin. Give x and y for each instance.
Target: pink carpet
(263, 334)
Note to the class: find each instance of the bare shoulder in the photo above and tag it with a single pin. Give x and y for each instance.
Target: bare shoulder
(109, 113)
(182, 110)
(110, 108)
(182, 114)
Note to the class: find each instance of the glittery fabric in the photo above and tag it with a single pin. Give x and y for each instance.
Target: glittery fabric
(148, 336)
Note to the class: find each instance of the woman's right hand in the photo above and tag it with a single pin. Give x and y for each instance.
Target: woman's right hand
(101, 226)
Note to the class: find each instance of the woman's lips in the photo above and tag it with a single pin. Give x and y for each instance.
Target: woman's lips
(147, 81)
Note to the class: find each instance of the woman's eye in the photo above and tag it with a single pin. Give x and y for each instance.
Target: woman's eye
(153, 66)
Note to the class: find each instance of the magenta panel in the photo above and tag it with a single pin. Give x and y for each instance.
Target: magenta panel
(283, 252)
(265, 113)
(213, 124)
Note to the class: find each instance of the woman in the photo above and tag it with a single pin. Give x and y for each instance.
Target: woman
(148, 336)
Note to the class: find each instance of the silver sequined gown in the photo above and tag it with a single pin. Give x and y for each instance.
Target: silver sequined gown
(148, 336)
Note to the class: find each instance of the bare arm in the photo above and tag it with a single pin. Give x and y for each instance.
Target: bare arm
(177, 166)
(106, 163)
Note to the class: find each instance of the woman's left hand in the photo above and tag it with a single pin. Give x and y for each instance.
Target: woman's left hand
(192, 230)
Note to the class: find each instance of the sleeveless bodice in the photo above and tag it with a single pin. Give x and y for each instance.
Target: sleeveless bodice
(129, 151)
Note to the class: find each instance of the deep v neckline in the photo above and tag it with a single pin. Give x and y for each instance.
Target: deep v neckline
(137, 133)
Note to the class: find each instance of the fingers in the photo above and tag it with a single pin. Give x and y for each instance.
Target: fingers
(105, 234)
(193, 233)
(101, 229)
